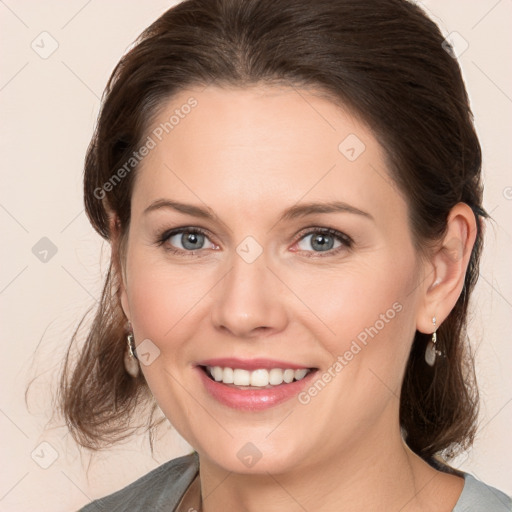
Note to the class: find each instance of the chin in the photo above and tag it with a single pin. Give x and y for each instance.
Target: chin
(255, 458)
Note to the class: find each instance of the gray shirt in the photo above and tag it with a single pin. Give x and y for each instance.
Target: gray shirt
(162, 489)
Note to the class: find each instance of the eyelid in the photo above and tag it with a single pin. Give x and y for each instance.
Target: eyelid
(323, 229)
(345, 240)
(164, 237)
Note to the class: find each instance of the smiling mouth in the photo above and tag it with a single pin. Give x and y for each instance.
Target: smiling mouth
(256, 379)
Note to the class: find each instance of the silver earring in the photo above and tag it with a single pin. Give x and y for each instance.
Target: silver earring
(131, 362)
(431, 352)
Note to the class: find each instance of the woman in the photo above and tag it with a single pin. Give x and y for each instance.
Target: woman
(291, 190)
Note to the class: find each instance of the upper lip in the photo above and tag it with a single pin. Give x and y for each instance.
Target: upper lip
(251, 364)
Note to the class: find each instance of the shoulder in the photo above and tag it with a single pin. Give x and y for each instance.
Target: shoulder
(160, 489)
(476, 496)
(479, 497)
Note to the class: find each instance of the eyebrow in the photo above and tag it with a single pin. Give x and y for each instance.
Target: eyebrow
(293, 212)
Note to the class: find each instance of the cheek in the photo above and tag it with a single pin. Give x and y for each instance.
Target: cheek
(162, 297)
(367, 312)
(152, 303)
(370, 315)
(163, 300)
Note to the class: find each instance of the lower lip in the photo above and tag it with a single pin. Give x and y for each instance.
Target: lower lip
(253, 399)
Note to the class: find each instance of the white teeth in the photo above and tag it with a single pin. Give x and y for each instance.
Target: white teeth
(275, 376)
(258, 378)
(288, 376)
(227, 376)
(300, 374)
(241, 377)
(217, 373)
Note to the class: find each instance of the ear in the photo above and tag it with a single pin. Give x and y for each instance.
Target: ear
(117, 262)
(446, 268)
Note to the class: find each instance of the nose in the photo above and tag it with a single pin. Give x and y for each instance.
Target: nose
(249, 300)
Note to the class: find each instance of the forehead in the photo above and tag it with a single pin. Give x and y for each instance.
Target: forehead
(246, 148)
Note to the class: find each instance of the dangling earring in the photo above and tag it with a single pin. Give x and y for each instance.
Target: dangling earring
(431, 352)
(131, 363)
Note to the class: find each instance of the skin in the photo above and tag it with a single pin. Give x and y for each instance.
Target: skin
(248, 154)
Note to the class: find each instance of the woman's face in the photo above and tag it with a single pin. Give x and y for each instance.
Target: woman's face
(263, 173)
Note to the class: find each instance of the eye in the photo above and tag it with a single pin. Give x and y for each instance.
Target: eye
(324, 240)
(186, 240)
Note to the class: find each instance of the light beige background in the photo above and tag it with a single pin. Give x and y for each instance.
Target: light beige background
(48, 109)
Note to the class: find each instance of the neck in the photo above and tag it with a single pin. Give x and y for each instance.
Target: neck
(378, 472)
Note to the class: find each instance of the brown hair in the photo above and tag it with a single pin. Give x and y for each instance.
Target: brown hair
(385, 60)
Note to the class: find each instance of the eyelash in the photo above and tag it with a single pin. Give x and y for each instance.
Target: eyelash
(345, 240)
